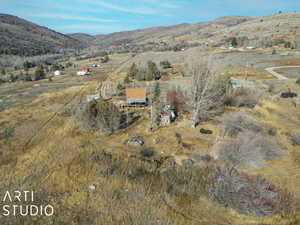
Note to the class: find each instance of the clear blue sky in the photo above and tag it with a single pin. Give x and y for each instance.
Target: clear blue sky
(107, 16)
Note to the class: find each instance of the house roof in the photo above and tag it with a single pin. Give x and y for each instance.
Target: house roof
(136, 93)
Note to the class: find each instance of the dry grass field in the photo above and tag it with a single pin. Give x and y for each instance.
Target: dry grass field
(93, 178)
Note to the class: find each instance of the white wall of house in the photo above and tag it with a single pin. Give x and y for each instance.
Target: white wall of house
(81, 73)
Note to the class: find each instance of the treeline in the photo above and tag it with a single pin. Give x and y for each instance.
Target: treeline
(151, 46)
(32, 72)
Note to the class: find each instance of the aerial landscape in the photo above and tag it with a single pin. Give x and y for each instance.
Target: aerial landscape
(149, 112)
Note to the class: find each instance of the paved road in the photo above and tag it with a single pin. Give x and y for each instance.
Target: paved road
(277, 75)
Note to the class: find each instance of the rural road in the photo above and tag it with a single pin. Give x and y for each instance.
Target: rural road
(277, 75)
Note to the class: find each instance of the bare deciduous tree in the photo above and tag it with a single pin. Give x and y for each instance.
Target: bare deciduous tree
(208, 90)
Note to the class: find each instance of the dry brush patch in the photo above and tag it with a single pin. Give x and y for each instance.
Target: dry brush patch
(249, 194)
(295, 137)
(250, 150)
(241, 97)
(237, 123)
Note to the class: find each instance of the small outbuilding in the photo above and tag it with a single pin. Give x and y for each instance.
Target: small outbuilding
(136, 95)
(58, 73)
(167, 115)
(84, 71)
(90, 98)
(235, 84)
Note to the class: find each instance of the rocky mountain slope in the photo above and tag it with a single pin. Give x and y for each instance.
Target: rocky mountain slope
(20, 37)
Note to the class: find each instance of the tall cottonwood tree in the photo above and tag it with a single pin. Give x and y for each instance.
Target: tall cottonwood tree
(208, 90)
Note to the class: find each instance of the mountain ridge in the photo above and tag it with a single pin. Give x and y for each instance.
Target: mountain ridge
(22, 37)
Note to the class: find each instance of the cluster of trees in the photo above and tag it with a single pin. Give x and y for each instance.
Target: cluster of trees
(150, 46)
(141, 74)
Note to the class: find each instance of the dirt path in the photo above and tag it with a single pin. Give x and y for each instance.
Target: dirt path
(278, 75)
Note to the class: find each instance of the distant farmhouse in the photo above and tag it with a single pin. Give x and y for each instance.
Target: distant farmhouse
(84, 71)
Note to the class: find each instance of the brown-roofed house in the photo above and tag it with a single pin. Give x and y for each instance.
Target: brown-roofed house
(136, 95)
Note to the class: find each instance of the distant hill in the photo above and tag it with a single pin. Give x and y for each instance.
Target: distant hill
(265, 31)
(171, 34)
(85, 38)
(20, 37)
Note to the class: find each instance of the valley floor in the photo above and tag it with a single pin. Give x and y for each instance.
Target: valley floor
(81, 173)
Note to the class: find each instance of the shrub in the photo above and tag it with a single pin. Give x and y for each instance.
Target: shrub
(147, 153)
(56, 67)
(248, 194)
(298, 81)
(27, 65)
(176, 48)
(249, 150)
(237, 123)
(234, 42)
(105, 59)
(12, 77)
(295, 137)
(99, 115)
(120, 89)
(165, 64)
(271, 88)
(7, 133)
(177, 100)
(272, 131)
(241, 97)
(288, 44)
(2, 71)
(69, 64)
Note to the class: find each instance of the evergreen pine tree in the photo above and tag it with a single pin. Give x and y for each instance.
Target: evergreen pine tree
(133, 70)
(156, 92)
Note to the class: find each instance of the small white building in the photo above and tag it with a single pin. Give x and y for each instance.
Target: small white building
(57, 73)
(81, 73)
(90, 98)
